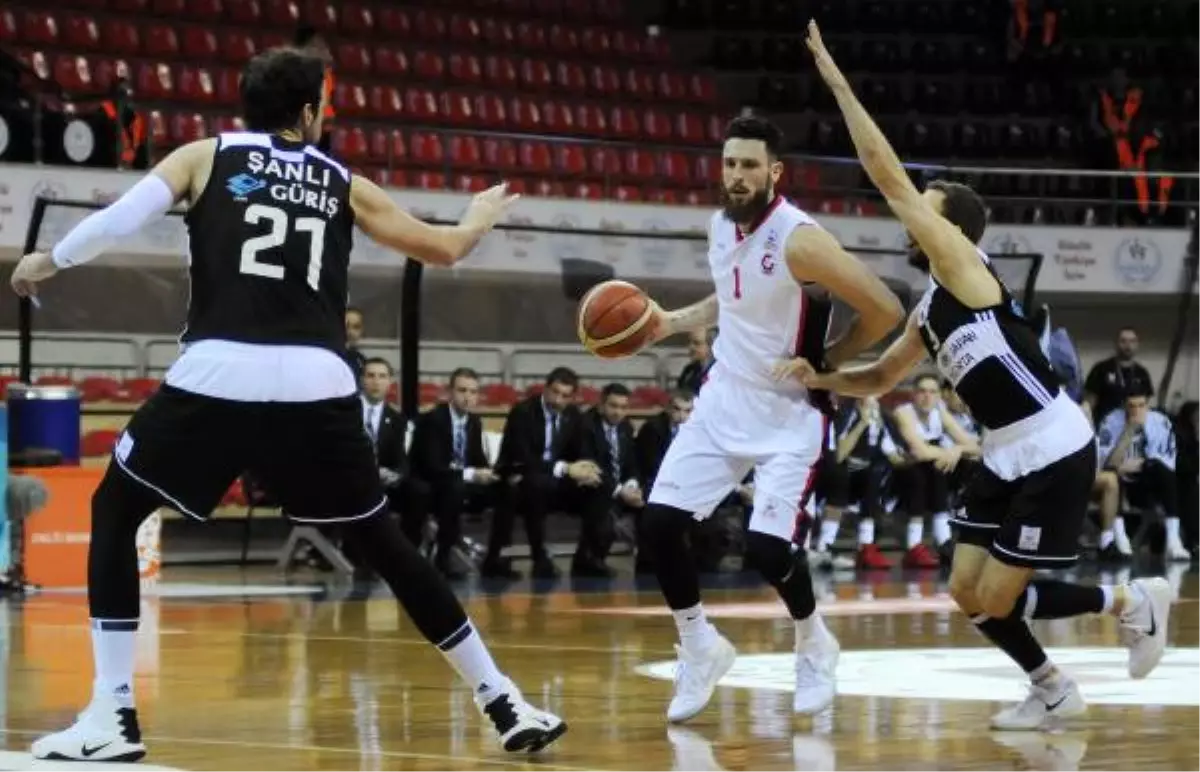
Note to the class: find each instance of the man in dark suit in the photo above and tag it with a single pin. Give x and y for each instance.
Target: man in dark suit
(607, 440)
(656, 434)
(691, 378)
(387, 429)
(354, 333)
(448, 455)
(539, 462)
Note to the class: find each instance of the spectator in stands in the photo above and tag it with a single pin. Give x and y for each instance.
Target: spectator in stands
(1110, 380)
(607, 440)
(855, 475)
(700, 351)
(1187, 470)
(354, 333)
(449, 458)
(540, 464)
(1138, 443)
(388, 431)
(131, 139)
(657, 432)
(310, 40)
(935, 445)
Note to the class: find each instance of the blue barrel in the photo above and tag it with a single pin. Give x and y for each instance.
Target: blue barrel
(44, 418)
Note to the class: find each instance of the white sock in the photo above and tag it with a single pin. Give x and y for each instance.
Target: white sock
(470, 658)
(1172, 524)
(695, 633)
(829, 530)
(866, 531)
(1118, 527)
(113, 649)
(1106, 538)
(941, 528)
(807, 628)
(916, 529)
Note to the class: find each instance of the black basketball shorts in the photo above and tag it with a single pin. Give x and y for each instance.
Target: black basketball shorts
(1033, 521)
(315, 458)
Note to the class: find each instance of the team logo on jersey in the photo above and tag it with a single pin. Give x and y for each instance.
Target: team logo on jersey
(768, 264)
(242, 185)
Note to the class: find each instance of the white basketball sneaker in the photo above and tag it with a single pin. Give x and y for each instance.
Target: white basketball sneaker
(1046, 704)
(1144, 624)
(104, 732)
(696, 677)
(816, 671)
(521, 726)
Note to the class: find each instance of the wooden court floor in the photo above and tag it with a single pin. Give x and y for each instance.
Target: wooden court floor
(335, 681)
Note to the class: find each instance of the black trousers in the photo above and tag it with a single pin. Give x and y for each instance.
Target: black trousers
(925, 489)
(1153, 487)
(448, 498)
(534, 496)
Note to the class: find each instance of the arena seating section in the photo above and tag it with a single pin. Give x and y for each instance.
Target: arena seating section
(428, 95)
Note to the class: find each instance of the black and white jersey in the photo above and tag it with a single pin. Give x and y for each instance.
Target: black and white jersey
(270, 240)
(991, 355)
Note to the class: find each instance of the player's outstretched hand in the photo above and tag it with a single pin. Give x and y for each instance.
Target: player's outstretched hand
(488, 206)
(797, 368)
(33, 268)
(821, 56)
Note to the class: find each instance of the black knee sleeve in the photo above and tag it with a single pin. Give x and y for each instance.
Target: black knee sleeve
(119, 506)
(664, 535)
(785, 569)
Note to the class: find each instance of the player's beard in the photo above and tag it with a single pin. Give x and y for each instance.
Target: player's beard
(747, 212)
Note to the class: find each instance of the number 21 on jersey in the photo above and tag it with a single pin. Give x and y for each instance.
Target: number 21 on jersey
(278, 220)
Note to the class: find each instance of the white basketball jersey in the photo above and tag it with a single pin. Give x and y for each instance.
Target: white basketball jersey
(931, 427)
(762, 307)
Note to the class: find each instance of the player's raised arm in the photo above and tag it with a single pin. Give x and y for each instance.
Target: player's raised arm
(813, 255)
(879, 377)
(385, 222)
(151, 198)
(953, 259)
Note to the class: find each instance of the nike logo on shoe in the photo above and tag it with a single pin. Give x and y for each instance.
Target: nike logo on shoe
(1153, 624)
(1061, 700)
(89, 752)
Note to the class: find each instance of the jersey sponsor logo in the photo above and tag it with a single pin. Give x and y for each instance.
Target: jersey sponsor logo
(768, 264)
(242, 185)
(289, 171)
(960, 353)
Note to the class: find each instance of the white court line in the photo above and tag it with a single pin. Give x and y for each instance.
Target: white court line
(474, 762)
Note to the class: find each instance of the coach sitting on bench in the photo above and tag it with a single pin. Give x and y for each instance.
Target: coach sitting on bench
(607, 440)
(448, 456)
(387, 429)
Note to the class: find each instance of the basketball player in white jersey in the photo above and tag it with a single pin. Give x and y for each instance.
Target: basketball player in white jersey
(761, 251)
(1026, 505)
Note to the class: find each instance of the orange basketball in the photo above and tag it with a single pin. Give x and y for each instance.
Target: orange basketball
(616, 319)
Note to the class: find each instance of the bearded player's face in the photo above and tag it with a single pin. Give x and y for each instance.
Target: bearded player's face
(748, 178)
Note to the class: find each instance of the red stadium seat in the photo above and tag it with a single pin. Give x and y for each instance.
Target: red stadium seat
(8, 26)
(689, 128)
(596, 42)
(471, 183)
(121, 37)
(464, 151)
(557, 118)
(588, 395)
(37, 62)
(535, 75)
(429, 65)
(656, 48)
(273, 39)
(708, 168)
(98, 442)
(624, 123)
(498, 395)
(158, 128)
(516, 185)
(531, 36)
(196, 85)
(657, 125)
(139, 389)
(671, 86)
(425, 148)
(105, 72)
(498, 33)
(211, 10)
(626, 44)
(358, 20)
(590, 120)
(702, 88)
(384, 102)
(237, 47)
(130, 6)
(464, 29)
(54, 380)
(465, 68)
(349, 98)
(223, 123)
(186, 127)
(320, 14)
(676, 168)
(244, 12)
(640, 164)
(430, 392)
(352, 58)
(605, 81)
(570, 77)
(226, 83)
(73, 74)
(570, 159)
(586, 190)
(79, 32)
(715, 127)
(160, 40)
(500, 71)
(662, 196)
(535, 156)
(388, 146)
(154, 81)
(524, 114)
(604, 161)
(429, 24)
(421, 104)
(350, 144)
(199, 43)
(169, 8)
(627, 193)
(489, 110)
(430, 180)
(98, 388)
(697, 198)
(280, 13)
(648, 397)
(563, 39)
(38, 28)
(548, 189)
(395, 22)
(499, 153)
(390, 62)
(457, 108)
(639, 84)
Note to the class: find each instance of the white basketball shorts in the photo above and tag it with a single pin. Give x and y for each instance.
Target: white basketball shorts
(735, 428)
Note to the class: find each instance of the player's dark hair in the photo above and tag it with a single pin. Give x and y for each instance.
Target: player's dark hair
(963, 207)
(462, 372)
(276, 85)
(378, 361)
(756, 127)
(564, 375)
(927, 377)
(614, 390)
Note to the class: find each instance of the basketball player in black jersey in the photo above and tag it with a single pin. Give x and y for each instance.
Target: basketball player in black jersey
(261, 386)
(1026, 506)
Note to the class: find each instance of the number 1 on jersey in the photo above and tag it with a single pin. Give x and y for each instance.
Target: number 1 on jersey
(314, 227)
(737, 282)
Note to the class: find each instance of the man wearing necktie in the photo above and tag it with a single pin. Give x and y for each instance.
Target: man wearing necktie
(607, 441)
(448, 455)
(542, 470)
(656, 433)
(387, 429)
